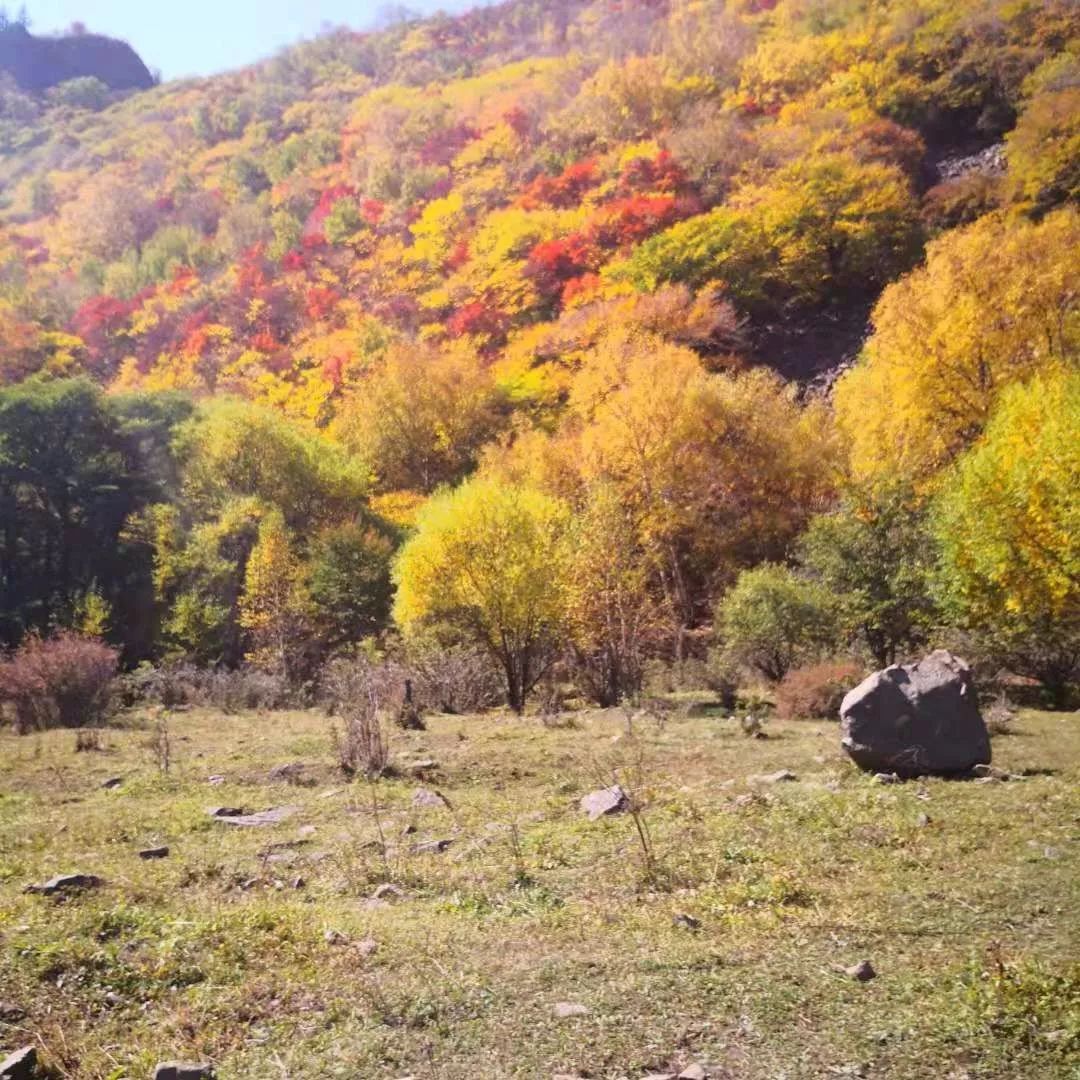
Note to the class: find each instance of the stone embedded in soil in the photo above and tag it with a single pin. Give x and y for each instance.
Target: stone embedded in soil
(886, 778)
(693, 1072)
(779, 777)
(181, 1070)
(11, 1013)
(863, 971)
(66, 883)
(226, 811)
(274, 816)
(564, 1010)
(686, 922)
(427, 797)
(154, 852)
(612, 800)
(112, 782)
(389, 892)
(19, 1066)
(431, 847)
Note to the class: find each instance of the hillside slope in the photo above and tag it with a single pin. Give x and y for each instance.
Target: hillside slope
(269, 231)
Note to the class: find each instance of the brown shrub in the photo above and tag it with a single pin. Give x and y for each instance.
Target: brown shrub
(63, 681)
(815, 692)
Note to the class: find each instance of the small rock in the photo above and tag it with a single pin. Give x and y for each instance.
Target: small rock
(431, 847)
(781, 777)
(66, 883)
(331, 793)
(661, 1076)
(686, 922)
(112, 782)
(388, 893)
(113, 999)
(305, 832)
(863, 971)
(886, 778)
(154, 852)
(21, 1065)
(418, 768)
(564, 1010)
(291, 773)
(693, 1072)
(225, 811)
(922, 820)
(180, 1070)
(335, 937)
(215, 780)
(989, 772)
(612, 800)
(299, 883)
(10, 1013)
(366, 946)
(427, 797)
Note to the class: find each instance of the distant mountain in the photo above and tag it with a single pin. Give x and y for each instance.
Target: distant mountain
(38, 63)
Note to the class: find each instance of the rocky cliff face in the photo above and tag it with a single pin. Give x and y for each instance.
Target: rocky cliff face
(37, 63)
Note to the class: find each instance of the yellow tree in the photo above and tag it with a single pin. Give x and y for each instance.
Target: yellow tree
(274, 607)
(420, 419)
(1008, 519)
(994, 303)
(720, 470)
(613, 614)
(486, 562)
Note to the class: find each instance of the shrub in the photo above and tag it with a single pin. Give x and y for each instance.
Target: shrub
(173, 684)
(63, 681)
(772, 619)
(357, 690)
(815, 692)
(457, 680)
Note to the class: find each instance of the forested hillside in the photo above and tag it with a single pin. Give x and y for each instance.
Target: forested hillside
(557, 292)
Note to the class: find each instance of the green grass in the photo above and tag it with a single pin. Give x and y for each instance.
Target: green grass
(971, 920)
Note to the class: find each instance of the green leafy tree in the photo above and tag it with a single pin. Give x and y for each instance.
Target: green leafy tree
(876, 557)
(772, 620)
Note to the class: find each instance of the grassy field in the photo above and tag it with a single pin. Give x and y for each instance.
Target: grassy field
(725, 946)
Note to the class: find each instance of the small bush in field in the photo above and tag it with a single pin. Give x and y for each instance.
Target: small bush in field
(356, 690)
(1000, 716)
(62, 681)
(815, 692)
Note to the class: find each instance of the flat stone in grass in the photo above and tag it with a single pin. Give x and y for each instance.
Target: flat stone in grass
(693, 1072)
(226, 811)
(612, 800)
(182, 1070)
(19, 1066)
(154, 852)
(566, 1010)
(431, 847)
(112, 782)
(66, 883)
(782, 776)
(274, 816)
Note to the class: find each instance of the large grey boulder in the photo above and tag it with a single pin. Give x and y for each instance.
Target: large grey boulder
(916, 719)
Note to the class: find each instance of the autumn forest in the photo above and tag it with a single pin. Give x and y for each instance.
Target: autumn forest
(575, 339)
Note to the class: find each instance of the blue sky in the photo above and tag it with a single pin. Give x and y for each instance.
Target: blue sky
(199, 37)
